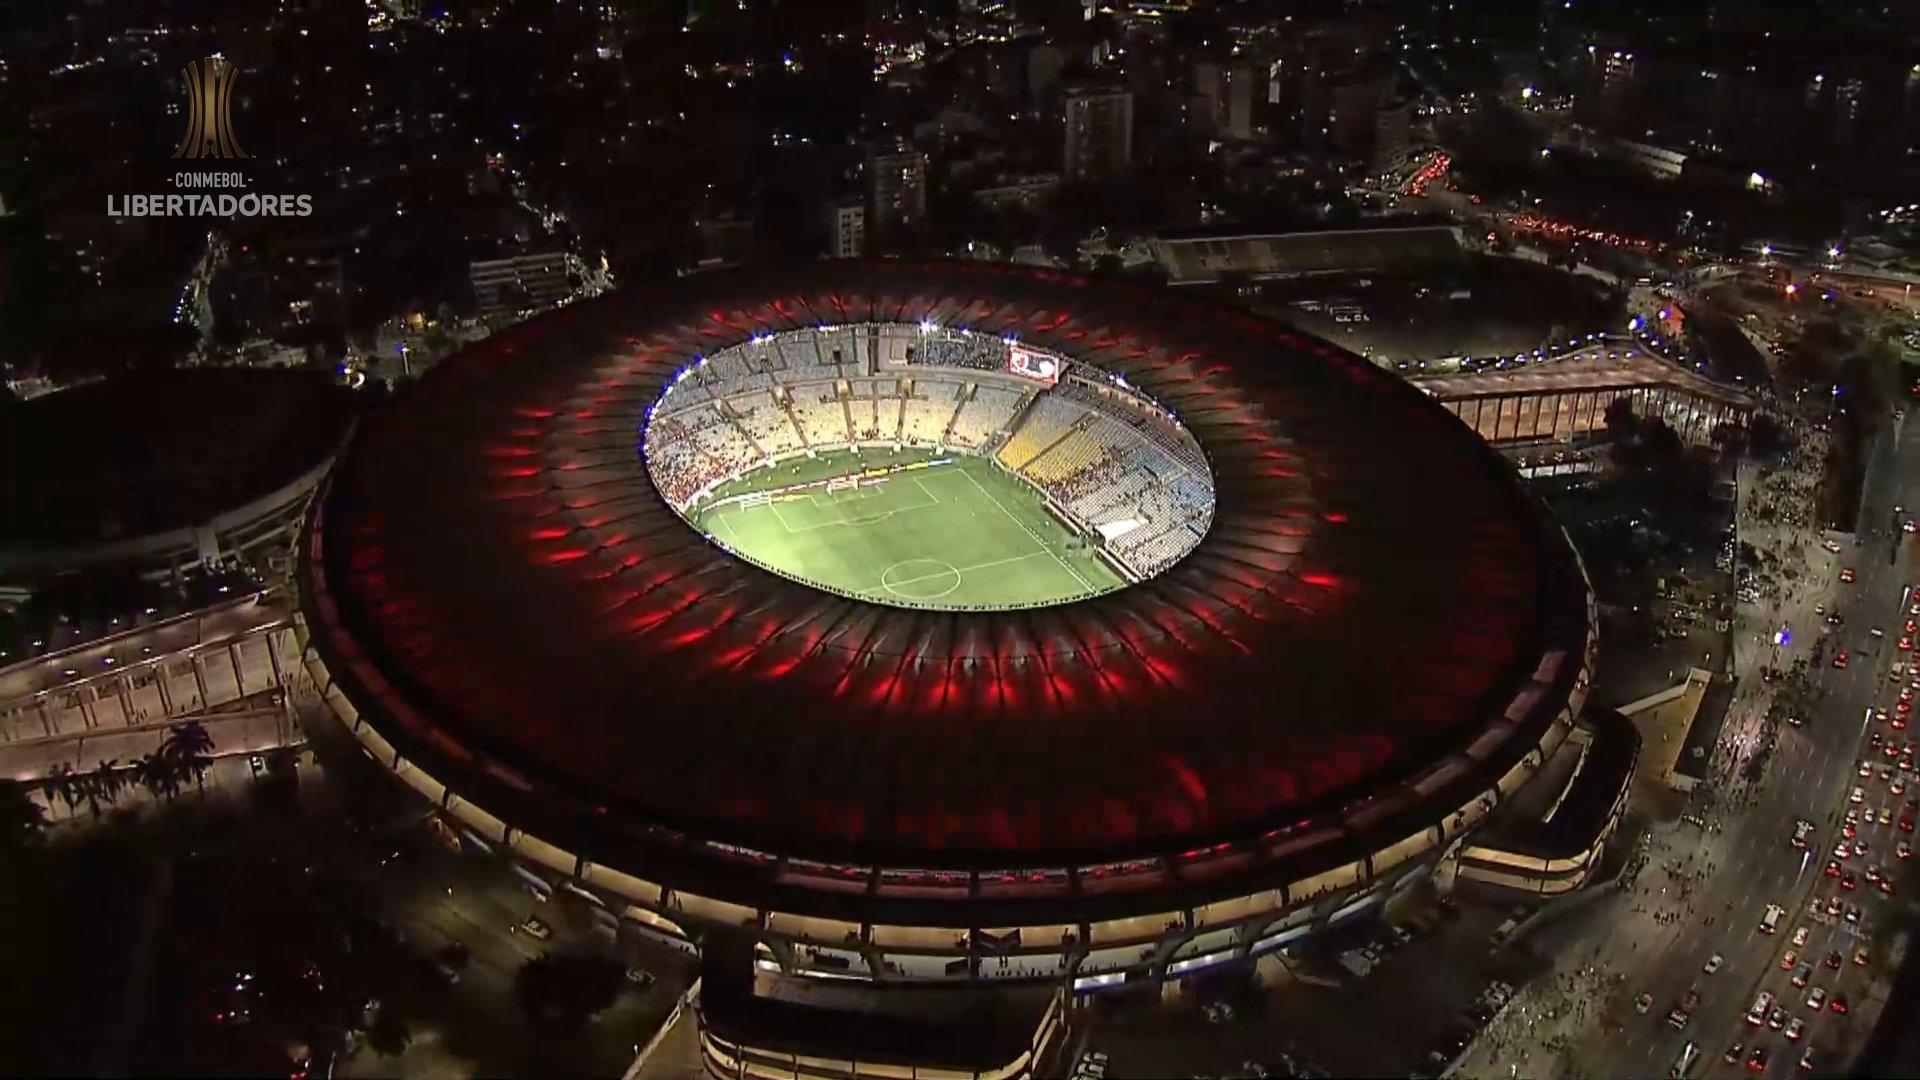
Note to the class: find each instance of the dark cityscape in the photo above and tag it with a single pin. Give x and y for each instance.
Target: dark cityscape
(959, 539)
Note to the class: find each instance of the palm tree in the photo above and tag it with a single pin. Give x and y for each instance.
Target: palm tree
(21, 818)
(150, 773)
(190, 748)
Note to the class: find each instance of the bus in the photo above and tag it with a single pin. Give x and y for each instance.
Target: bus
(1689, 1056)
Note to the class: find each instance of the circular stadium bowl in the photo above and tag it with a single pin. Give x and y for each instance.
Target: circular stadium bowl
(1375, 637)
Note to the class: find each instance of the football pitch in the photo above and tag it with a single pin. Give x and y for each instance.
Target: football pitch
(960, 535)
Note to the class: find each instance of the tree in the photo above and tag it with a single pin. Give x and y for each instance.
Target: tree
(560, 991)
(189, 748)
(22, 819)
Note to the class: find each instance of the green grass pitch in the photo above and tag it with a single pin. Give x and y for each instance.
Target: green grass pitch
(962, 535)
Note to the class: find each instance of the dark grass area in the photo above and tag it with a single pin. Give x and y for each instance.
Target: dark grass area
(1846, 472)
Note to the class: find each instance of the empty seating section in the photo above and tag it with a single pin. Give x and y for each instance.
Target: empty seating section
(1073, 454)
(822, 418)
(985, 415)
(924, 416)
(766, 423)
(1050, 418)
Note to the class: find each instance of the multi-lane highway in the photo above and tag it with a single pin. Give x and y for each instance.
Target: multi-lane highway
(1750, 862)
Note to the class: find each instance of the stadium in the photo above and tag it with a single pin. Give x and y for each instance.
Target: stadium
(943, 622)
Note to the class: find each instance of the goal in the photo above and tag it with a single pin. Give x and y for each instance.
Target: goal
(757, 498)
(842, 483)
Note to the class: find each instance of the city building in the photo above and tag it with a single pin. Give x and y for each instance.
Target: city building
(1097, 133)
(896, 191)
(847, 230)
(503, 288)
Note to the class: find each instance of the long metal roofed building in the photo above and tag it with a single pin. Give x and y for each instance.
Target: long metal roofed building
(1376, 641)
(1208, 257)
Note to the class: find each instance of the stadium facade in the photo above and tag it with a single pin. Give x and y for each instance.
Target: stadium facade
(1374, 640)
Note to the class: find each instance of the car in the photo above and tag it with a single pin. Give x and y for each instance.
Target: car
(1757, 1060)
(1800, 936)
(1866, 767)
(1777, 1019)
(1788, 959)
(1843, 849)
(1801, 974)
(1857, 795)
(1801, 830)
(1853, 913)
(1643, 1003)
(1846, 574)
(1817, 998)
(1761, 1006)
(1796, 1027)
(1885, 885)
(1906, 644)
(1834, 960)
(1849, 830)
(1840, 659)
(1898, 786)
(1838, 1003)
(1732, 1056)
(1833, 907)
(1876, 633)
(1831, 545)
(536, 929)
(1713, 963)
(1860, 956)
(1906, 823)
(1847, 881)
(1886, 815)
(1806, 1058)
(1833, 868)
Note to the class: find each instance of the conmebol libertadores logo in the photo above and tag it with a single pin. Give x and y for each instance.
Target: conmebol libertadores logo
(209, 131)
(209, 135)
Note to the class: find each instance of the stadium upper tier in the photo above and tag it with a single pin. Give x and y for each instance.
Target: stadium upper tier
(1372, 641)
(1112, 463)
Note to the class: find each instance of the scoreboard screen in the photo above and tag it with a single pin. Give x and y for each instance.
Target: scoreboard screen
(1032, 365)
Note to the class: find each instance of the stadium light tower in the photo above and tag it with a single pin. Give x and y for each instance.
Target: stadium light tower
(927, 326)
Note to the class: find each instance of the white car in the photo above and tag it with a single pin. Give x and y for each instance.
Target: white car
(1713, 963)
(1817, 998)
(1795, 1028)
(1858, 795)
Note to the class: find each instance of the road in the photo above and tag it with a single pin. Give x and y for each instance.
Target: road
(1656, 937)
(1752, 861)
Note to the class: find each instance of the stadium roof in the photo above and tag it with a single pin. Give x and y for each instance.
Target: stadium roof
(143, 453)
(1200, 259)
(1379, 617)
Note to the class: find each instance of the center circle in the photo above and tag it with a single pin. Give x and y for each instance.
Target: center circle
(923, 466)
(921, 579)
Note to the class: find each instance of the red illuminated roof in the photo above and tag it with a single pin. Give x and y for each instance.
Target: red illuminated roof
(1375, 590)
